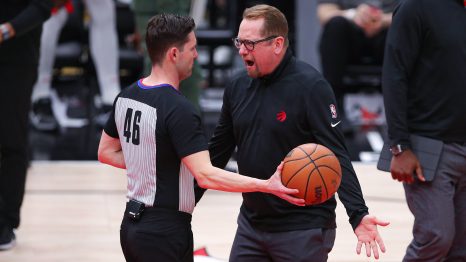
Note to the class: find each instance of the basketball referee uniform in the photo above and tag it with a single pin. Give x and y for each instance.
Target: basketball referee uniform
(157, 127)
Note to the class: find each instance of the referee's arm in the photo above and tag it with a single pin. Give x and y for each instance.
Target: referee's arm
(110, 151)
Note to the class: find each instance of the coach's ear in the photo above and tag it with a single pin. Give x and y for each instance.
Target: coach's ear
(278, 44)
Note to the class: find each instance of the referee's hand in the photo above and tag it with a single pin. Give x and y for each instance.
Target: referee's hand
(275, 186)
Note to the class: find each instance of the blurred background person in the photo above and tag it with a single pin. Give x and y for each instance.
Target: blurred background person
(353, 32)
(20, 30)
(144, 10)
(104, 51)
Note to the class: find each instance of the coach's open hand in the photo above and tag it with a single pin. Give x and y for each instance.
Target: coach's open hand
(368, 235)
(275, 186)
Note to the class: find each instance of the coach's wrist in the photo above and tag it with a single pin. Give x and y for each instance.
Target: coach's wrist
(357, 217)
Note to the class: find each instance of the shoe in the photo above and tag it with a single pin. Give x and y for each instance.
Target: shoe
(42, 117)
(7, 239)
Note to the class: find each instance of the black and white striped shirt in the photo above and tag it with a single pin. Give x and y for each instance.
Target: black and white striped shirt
(157, 127)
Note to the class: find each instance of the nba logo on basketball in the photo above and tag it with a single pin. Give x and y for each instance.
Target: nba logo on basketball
(333, 110)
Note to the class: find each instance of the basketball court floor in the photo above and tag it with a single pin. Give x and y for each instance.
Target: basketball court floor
(72, 211)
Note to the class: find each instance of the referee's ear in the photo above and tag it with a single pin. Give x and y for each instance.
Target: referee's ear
(172, 54)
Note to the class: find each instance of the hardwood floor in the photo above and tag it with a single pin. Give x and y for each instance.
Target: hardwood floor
(72, 212)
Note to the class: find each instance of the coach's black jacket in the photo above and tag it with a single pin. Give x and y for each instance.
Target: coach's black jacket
(249, 121)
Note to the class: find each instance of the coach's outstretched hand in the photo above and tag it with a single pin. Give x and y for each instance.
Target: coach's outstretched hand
(368, 235)
(275, 186)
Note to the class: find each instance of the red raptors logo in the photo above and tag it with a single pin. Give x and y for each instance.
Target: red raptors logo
(281, 116)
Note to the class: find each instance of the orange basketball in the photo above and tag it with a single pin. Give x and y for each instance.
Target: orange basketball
(314, 170)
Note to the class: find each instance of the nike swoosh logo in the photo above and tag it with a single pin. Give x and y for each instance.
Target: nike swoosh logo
(335, 124)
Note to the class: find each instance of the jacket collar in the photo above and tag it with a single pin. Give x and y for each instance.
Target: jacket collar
(267, 79)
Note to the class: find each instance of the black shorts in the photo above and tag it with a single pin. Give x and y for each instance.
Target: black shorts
(159, 235)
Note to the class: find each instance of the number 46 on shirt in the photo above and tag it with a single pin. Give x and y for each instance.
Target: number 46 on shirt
(131, 132)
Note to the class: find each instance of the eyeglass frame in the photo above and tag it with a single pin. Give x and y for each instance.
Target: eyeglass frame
(246, 42)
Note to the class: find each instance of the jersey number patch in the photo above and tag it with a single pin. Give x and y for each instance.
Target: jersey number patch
(131, 132)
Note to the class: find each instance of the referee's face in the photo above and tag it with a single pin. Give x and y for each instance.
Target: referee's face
(188, 55)
(256, 53)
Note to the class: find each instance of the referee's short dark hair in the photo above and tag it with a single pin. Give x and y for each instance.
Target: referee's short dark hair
(167, 30)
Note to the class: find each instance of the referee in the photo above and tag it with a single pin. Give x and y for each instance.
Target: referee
(156, 134)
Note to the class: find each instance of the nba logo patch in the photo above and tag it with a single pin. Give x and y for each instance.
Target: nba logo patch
(333, 110)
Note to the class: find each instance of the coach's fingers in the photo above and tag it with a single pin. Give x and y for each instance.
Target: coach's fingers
(380, 242)
(368, 249)
(375, 249)
(358, 247)
(380, 222)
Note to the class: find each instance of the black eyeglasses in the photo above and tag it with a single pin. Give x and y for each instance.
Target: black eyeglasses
(249, 44)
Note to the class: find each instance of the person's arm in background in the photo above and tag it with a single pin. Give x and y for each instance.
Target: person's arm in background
(369, 18)
(350, 194)
(404, 43)
(33, 16)
(327, 11)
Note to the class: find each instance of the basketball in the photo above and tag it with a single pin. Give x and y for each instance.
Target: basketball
(314, 170)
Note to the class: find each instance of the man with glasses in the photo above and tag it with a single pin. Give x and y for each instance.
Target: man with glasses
(276, 105)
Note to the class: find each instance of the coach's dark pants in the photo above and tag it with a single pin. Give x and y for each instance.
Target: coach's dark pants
(439, 209)
(16, 82)
(160, 235)
(252, 245)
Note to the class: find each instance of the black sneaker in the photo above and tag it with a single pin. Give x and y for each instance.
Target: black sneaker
(42, 117)
(7, 239)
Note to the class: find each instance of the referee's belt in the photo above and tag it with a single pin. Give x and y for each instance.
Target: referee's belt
(161, 212)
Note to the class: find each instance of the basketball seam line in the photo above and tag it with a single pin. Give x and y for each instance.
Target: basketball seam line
(307, 156)
(297, 173)
(323, 182)
(315, 168)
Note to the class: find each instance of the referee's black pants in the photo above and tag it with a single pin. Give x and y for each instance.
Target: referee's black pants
(16, 82)
(160, 235)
